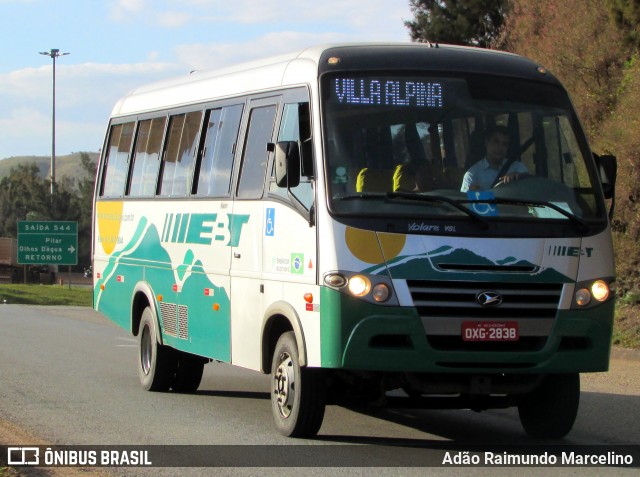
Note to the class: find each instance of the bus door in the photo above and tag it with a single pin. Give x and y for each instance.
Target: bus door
(289, 243)
(248, 227)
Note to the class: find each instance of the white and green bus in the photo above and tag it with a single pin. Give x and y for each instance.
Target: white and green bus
(304, 216)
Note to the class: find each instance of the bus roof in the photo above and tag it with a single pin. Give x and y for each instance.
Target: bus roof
(304, 67)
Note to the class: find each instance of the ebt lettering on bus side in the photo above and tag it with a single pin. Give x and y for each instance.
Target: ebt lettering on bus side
(203, 229)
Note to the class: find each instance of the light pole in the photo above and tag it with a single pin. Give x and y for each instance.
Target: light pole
(53, 53)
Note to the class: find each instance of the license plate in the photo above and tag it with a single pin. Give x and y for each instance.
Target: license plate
(490, 331)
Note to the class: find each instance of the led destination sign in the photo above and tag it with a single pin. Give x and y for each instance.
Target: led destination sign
(389, 92)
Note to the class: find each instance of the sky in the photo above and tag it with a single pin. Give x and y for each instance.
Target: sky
(117, 45)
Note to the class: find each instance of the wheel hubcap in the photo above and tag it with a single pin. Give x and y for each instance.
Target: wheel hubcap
(284, 385)
(145, 350)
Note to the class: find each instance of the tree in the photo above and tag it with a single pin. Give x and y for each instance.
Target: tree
(84, 199)
(460, 22)
(626, 14)
(22, 192)
(564, 38)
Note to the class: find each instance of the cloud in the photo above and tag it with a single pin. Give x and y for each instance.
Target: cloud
(173, 19)
(364, 18)
(21, 127)
(85, 95)
(217, 55)
(28, 132)
(78, 84)
(293, 11)
(359, 16)
(29, 83)
(120, 10)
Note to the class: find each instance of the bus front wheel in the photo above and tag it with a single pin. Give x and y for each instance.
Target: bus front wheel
(298, 394)
(550, 410)
(157, 364)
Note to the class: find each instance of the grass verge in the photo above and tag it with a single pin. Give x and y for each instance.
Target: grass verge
(8, 472)
(46, 295)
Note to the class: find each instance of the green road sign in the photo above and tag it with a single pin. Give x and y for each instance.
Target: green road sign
(47, 243)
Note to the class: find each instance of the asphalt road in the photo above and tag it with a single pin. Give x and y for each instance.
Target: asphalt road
(68, 377)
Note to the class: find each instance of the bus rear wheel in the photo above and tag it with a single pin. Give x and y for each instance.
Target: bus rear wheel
(189, 373)
(298, 394)
(550, 410)
(157, 364)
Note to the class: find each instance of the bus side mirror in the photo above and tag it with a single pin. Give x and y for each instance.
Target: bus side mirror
(608, 169)
(287, 164)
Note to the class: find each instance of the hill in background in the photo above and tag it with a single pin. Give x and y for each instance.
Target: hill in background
(66, 166)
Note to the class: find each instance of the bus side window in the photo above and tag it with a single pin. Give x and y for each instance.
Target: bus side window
(180, 152)
(255, 154)
(296, 126)
(146, 157)
(117, 160)
(221, 134)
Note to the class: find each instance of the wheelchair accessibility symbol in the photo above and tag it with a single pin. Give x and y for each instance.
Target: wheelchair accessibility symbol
(479, 205)
(269, 228)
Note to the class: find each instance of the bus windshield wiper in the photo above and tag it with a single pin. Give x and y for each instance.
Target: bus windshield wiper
(439, 198)
(361, 195)
(580, 223)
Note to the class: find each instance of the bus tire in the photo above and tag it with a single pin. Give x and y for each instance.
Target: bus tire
(298, 394)
(157, 363)
(189, 373)
(550, 410)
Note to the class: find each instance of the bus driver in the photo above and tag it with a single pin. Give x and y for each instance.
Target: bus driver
(483, 174)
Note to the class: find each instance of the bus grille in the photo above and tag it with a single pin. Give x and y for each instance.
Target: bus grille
(435, 299)
(175, 320)
(456, 302)
(169, 322)
(183, 322)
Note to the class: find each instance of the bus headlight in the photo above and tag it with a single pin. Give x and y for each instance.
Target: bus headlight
(592, 293)
(359, 285)
(335, 280)
(583, 297)
(600, 290)
(371, 288)
(381, 292)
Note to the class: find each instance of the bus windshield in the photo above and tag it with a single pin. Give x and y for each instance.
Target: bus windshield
(425, 146)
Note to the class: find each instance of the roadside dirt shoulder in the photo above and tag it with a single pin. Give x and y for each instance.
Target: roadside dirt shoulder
(624, 370)
(11, 434)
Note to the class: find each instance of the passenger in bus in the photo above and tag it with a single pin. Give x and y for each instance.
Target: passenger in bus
(491, 169)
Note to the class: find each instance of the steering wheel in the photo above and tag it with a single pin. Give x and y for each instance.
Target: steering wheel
(519, 176)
